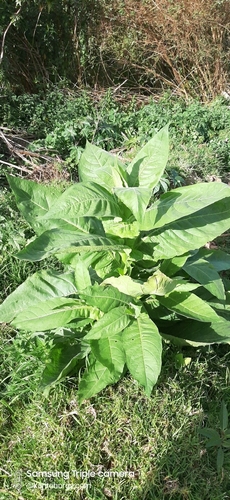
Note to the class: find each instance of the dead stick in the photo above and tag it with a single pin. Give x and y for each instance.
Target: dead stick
(5, 33)
(23, 169)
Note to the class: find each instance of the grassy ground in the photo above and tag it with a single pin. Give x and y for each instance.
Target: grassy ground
(154, 443)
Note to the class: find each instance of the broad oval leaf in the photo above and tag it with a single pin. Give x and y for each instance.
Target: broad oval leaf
(136, 199)
(122, 229)
(197, 332)
(214, 442)
(143, 346)
(149, 164)
(160, 284)
(105, 298)
(52, 314)
(111, 323)
(191, 232)
(95, 378)
(203, 272)
(109, 351)
(172, 266)
(183, 201)
(64, 242)
(209, 433)
(189, 305)
(126, 285)
(82, 200)
(220, 260)
(63, 360)
(79, 224)
(82, 276)
(41, 286)
(104, 263)
(101, 167)
(33, 200)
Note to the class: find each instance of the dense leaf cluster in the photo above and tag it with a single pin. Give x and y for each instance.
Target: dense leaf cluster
(135, 270)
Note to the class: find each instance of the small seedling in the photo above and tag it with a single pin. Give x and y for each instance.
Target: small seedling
(181, 361)
(219, 439)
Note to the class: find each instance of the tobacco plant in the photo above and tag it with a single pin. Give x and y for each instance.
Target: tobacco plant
(135, 269)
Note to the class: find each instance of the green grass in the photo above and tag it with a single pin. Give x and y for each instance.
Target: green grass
(155, 439)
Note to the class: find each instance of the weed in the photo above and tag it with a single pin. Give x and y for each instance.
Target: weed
(219, 439)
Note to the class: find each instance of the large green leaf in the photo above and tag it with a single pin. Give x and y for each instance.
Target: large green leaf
(105, 298)
(53, 313)
(158, 312)
(142, 345)
(63, 360)
(81, 200)
(79, 224)
(223, 306)
(64, 242)
(95, 378)
(172, 266)
(109, 351)
(191, 232)
(185, 286)
(107, 264)
(200, 333)
(204, 272)
(135, 198)
(96, 165)
(82, 276)
(181, 202)
(104, 263)
(220, 260)
(147, 167)
(126, 285)
(39, 287)
(33, 200)
(122, 229)
(160, 284)
(111, 323)
(189, 305)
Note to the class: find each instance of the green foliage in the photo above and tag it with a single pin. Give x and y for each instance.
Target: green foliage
(134, 270)
(62, 121)
(39, 45)
(219, 439)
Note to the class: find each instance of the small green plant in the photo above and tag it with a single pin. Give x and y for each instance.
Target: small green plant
(135, 271)
(219, 439)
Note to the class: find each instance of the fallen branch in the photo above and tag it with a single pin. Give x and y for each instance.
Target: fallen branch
(23, 169)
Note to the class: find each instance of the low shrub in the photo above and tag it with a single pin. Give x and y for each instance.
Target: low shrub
(135, 271)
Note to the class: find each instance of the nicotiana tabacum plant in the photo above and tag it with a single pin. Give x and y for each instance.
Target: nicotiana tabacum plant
(135, 270)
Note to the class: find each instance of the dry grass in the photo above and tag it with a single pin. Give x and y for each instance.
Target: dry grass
(183, 45)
